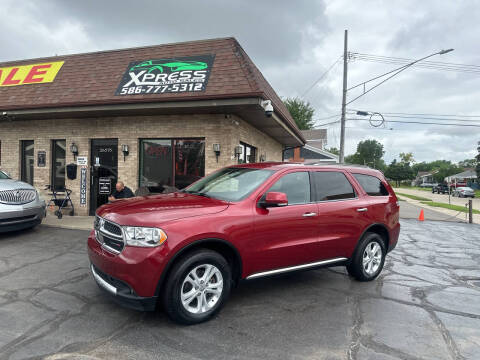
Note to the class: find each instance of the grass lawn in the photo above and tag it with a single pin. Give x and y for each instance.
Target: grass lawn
(413, 197)
(414, 188)
(448, 206)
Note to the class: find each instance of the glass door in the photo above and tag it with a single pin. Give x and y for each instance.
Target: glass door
(27, 160)
(103, 170)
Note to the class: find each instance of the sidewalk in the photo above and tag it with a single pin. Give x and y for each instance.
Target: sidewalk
(450, 214)
(69, 222)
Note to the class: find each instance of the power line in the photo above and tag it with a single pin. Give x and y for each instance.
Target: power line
(435, 65)
(428, 118)
(415, 114)
(427, 62)
(321, 77)
(327, 117)
(422, 123)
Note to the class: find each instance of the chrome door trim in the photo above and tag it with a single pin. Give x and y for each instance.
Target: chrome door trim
(296, 267)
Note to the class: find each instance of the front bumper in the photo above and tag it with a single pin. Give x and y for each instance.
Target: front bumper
(135, 272)
(17, 217)
(121, 292)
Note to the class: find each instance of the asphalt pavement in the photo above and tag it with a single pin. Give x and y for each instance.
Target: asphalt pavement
(423, 306)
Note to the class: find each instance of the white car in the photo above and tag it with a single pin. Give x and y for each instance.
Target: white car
(20, 205)
(464, 192)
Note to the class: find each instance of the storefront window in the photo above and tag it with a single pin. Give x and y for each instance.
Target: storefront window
(58, 164)
(171, 162)
(248, 155)
(27, 161)
(156, 164)
(189, 162)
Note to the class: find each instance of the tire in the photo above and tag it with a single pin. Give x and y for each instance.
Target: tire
(356, 267)
(181, 280)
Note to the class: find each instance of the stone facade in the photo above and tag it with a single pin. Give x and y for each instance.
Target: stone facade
(227, 130)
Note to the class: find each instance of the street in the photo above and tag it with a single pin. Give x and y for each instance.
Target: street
(440, 197)
(423, 306)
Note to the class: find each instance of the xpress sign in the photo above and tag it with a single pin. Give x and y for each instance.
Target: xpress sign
(156, 76)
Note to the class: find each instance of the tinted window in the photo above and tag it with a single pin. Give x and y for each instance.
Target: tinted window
(371, 184)
(331, 185)
(58, 164)
(296, 185)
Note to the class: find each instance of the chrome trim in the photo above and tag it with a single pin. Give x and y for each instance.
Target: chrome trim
(108, 233)
(110, 288)
(293, 268)
(362, 209)
(100, 232)
(309, 214)
(109, 249)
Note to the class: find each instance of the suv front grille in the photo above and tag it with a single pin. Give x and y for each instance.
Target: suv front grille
(17, 197)
(109, 235)
(112, 228)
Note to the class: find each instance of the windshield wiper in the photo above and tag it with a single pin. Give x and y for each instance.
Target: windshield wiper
(196, 193)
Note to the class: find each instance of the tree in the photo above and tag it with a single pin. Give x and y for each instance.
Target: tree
(399, 171)
(301, 111)
(333, 150)
(468, 163)
(369, 152)
(407, 158)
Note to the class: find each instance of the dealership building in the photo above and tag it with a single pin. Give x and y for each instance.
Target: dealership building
(156, 118)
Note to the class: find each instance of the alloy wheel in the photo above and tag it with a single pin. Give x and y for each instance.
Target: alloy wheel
(372, 258)
(201, 289)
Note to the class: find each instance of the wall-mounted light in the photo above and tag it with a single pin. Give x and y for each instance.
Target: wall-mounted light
(125, 151)
(216, 150)
(238, 151)
(263, 157)
(74, 150)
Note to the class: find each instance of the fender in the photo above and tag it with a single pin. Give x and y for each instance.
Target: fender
(365, 231)
(198, 243)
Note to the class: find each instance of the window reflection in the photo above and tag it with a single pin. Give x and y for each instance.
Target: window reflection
(171, 162)
(189, 162)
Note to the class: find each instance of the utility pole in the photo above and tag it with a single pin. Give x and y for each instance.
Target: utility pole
(344, 99)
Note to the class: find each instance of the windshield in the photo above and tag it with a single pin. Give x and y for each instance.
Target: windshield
(230, 184)
(3, 175)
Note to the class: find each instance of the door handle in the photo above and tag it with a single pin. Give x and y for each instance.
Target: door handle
(362, 209)
(309, 214)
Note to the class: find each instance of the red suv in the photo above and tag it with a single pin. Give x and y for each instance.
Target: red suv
(186, 250)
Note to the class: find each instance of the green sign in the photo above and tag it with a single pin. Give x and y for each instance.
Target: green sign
(157, 76)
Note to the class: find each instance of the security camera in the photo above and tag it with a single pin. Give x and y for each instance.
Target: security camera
(267, 106)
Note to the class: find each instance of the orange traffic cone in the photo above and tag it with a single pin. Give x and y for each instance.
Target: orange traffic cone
(422, 216)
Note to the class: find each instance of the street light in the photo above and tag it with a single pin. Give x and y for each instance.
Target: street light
(393, 73)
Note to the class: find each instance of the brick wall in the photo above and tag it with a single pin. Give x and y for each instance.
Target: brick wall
(227, 130)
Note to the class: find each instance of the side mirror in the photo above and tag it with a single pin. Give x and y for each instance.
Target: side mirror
(275, 199)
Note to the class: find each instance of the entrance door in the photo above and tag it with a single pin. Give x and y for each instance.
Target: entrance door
(103, 171)
(28, 161)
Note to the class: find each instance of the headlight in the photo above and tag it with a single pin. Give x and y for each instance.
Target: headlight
(144, 236)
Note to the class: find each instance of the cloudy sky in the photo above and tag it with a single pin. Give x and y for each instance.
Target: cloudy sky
(293, 43)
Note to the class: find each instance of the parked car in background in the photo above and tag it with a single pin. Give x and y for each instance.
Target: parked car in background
(458, 184)
(440, 189)
(20, 205)
(187, 249)
(464, 192)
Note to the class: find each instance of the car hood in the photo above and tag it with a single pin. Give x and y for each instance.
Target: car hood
(157, 209)
(10, 184)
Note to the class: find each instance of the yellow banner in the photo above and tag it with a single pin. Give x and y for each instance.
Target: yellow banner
(29, 74)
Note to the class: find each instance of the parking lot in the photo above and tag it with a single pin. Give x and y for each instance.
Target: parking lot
(423, 306)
